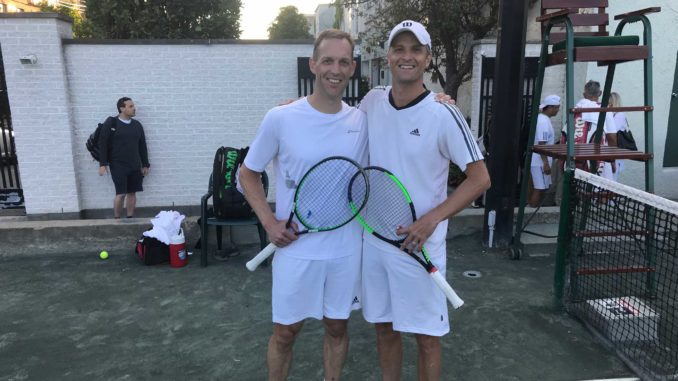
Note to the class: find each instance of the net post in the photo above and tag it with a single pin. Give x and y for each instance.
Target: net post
(563, 239)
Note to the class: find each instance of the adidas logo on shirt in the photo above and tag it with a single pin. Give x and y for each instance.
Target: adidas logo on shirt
(355, 300)
(415, 132)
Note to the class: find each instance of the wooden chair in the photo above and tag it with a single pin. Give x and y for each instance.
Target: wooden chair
(583, 37)
(206, 220)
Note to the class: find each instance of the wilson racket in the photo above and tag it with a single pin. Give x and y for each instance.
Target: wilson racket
(323, 200)
(388, 208)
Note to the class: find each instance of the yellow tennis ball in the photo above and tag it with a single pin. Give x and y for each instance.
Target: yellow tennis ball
(103, 254)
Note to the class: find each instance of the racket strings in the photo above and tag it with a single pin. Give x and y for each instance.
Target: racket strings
(388, 207)
(322, 197)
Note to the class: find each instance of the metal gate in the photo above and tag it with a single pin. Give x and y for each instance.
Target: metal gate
(11, 195)
(486, 83)
(306, 79)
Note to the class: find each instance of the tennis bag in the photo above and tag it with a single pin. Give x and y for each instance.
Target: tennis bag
(92, 143)
(625, 140)
(150, 251)
(227, 200)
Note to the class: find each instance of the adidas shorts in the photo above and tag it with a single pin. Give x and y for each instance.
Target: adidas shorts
(397, 289)
(540, 179)
(305, 288)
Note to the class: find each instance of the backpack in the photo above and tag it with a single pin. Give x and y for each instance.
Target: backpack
(92, 143)
(227, 199)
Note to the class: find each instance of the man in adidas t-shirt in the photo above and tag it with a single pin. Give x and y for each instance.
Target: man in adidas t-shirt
(318, 275)
(415, 137)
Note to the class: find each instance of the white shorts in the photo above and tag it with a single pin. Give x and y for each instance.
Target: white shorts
(397, 289)
(305, 288)
(606, 171)
(540, 180)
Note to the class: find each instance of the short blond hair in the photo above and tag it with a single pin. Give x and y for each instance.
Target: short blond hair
(329, 34)
(615, 99)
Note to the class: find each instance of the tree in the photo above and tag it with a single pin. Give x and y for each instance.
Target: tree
(452, 24)
(81, 27)
(289, 24)
(171, 19)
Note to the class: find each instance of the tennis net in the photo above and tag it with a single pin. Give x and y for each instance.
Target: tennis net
(622, 271)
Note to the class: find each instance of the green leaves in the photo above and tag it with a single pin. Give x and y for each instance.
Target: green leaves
(289, 24)
(164, 19)
(452, 24)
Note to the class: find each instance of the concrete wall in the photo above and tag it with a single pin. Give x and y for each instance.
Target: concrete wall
(41, 113)
(191, 97)
(629, 84)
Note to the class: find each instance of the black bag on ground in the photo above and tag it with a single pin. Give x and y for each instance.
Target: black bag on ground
(150, 251)
(228, 201)
(625, 140)
(92, 143)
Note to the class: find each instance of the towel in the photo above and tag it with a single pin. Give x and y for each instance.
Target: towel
(165, 225)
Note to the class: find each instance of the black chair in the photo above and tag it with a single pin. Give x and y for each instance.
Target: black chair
(209, 219)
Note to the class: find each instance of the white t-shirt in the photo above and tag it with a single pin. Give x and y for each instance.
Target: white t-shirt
(544, 133)
(620, 121)
(416, 143)
(609, 128)
(295, 137)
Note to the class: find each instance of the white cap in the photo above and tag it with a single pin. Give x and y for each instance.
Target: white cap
(551, 100)
(410, 26)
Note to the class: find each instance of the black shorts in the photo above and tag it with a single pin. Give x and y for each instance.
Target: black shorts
(126, 180)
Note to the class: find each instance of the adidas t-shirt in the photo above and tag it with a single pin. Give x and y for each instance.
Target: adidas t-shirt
(295, 137)
(417, 143)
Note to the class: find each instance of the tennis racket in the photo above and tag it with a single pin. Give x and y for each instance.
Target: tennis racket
(323, 200)
(388, 208)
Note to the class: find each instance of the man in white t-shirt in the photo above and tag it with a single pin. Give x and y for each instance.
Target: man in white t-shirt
(591, 95)
(415, 138)
(316, 276)
(540, 167)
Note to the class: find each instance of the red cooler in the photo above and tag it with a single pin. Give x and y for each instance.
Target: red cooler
(177, 249)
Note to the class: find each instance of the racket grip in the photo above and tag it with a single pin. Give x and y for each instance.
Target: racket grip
(445, 287)
(262, 256)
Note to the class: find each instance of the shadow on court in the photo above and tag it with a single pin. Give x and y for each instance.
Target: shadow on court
(76, 317)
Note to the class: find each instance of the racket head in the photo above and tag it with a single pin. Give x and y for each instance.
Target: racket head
(389, 206)
(321, 200)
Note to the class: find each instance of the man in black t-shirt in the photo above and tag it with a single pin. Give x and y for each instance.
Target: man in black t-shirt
(122, 148)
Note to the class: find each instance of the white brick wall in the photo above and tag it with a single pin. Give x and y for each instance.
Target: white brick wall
(191, 99)
(40, 112)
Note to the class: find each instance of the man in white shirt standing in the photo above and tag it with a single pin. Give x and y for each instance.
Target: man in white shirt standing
(317, 276)
(540, 167)
(586, 124)
(415, 138)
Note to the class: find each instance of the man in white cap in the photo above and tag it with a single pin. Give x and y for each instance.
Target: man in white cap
(540, 167)
(415, 138)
